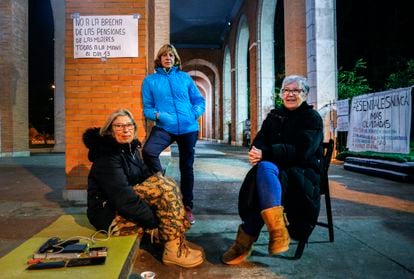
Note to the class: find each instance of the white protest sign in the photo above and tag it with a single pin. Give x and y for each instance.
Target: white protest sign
(342, 123)
(381, 122)
(105, 36)
(342, 107)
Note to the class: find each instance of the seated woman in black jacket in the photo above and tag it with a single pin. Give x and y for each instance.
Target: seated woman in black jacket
(123, 195)
(285, 177)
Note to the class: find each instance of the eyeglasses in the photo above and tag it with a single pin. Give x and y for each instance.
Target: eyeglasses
(121, 127)
(296, 92)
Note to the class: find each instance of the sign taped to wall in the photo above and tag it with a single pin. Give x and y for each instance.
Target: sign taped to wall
(342, 115)
(381, 122)
(105, 36)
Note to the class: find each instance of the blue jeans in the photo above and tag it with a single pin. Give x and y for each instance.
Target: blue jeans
(269, 193)
(160, 139)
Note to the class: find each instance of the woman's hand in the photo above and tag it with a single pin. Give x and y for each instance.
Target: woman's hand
(255, 155)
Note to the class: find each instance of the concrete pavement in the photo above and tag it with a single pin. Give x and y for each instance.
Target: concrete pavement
(373, 219)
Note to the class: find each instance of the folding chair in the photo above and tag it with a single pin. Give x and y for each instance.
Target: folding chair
(324, 190)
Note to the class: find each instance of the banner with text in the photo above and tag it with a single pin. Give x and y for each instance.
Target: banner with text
(342, 121)
(105, 36)
(381, 122)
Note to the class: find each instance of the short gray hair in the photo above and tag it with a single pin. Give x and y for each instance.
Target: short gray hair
(301, 81)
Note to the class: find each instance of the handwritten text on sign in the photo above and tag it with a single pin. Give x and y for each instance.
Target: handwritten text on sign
(381, 122)
(105, 36)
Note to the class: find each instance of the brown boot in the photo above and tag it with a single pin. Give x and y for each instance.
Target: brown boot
(240, 249)
(177, 252)
(276, 225)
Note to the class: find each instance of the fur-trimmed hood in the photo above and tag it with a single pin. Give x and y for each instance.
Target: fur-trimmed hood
(103, 144)
(111, 192)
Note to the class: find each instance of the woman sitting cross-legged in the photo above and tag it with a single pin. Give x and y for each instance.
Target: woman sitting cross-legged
(285, 177)
(124, 196)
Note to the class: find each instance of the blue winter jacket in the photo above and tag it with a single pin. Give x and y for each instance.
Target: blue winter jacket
(176, 99)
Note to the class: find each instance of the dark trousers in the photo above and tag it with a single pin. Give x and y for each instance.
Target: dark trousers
(160, 139)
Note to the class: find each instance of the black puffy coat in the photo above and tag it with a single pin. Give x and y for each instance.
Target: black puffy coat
(115, 169)
(293, 141)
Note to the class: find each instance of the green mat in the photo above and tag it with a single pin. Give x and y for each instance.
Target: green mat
(14, 264)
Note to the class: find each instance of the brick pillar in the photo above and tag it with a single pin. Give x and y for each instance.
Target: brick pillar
(295, 37)
(14, 127)
(94, 88)
(158, 35)
(162, 23)
(158, 28)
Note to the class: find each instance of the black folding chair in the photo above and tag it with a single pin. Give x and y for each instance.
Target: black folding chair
(324, 190)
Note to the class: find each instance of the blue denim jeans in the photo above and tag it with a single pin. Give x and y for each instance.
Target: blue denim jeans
(160, 139)
(269, 193)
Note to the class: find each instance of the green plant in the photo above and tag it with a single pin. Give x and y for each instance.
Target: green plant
(403, 78)
(276, 97)
(352, 83)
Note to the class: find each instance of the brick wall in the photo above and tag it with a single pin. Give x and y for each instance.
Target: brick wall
(95, 88)
(14, 135)
(295, 37)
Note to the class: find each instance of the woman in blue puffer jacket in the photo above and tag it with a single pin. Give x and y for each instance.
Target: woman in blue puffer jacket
(172, 100)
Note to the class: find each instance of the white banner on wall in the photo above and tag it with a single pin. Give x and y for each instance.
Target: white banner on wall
(105, 36)
(342, 107)
(381, 122)
(342, 123)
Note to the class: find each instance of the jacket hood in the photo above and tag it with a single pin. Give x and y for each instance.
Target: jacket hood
(98, 144)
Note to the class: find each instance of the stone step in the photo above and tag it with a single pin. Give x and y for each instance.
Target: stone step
(399, 171)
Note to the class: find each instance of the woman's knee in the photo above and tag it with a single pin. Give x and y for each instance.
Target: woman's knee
(150, 150)
(266, 166)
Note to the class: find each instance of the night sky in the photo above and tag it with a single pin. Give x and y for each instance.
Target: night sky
(377, 31)
(380, 32)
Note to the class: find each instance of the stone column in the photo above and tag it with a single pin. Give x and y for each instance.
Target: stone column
(58, 8)
(265, 63)
(321, 57)
(14, 123)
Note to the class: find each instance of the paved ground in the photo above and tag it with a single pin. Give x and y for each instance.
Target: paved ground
(373, 218)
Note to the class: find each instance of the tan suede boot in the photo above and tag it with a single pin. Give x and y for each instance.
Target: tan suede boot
(276, 225)
(177, 252)
(240, 249)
